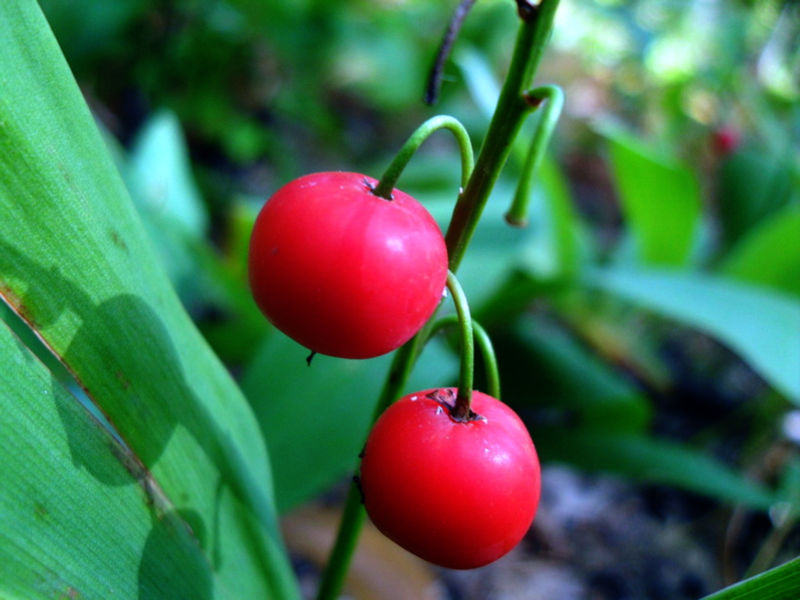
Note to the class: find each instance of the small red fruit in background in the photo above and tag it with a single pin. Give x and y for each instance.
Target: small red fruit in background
(457, 494)
(342, 271)
(725, 140)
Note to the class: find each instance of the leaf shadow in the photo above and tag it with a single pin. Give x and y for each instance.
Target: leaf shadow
(147, 398)
(157, 579)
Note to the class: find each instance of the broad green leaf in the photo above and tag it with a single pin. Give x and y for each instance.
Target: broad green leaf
(780, 583)
(197, 270)
(650, 459)
(67, 531)
(660, 199)
(752, 186)
(769, 254)
(316, 417)
(76, 265)
(759, 324)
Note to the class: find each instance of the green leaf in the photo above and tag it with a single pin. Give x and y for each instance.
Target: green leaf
(780, 583)
(652, 460)
(65, 531)
(759, 324)
(160, 175)
(660, 199)
(752, 185)
(570, 382)
(769, 254)
(76, 265)
(316, 417)
(86, 29)
(479, 78)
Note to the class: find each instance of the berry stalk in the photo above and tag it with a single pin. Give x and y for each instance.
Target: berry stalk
(512, 108)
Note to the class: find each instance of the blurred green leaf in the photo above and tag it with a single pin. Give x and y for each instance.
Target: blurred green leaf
(546, 369)
(559, 241)
(780, 583)
(659, 197)
(769, 254)
(161, 177)
(759, 324)
(652, 460)
(752, 185)
(316, 417)
(85, 28)
(67, 533)
(480, 79)
(76, 265)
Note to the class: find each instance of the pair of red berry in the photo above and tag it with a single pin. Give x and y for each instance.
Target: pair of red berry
(347, 273)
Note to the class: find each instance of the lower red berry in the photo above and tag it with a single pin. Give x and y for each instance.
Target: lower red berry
(457, 494)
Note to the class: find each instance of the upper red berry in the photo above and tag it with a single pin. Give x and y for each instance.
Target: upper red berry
(343, 271)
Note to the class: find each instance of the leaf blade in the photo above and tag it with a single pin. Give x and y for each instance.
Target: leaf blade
(75, 263)
(759, 324)
(653, 460)
(52, 508)
(780, 583)
(660, 199)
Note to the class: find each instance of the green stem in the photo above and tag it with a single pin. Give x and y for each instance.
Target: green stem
(353, 515)
(486, 347)
(461, 410)
(511, 110)
(517, 215)
(342, 553)
(508, 116)
(423, 132)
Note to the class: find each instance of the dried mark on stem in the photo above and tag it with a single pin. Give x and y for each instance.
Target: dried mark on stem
(533, 100)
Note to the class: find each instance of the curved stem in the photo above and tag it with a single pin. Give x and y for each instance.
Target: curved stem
(489, 360)
(517, 215)
(423, 132)
(486, 347)
(462, 411)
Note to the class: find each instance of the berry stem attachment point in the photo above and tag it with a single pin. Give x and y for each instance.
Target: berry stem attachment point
(484, 344)
(423, 132)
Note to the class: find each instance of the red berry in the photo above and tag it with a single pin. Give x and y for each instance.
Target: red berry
(457, 494)
(725, 140)
(343, 271)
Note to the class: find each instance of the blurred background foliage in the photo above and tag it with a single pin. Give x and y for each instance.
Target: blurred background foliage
(647, 320)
